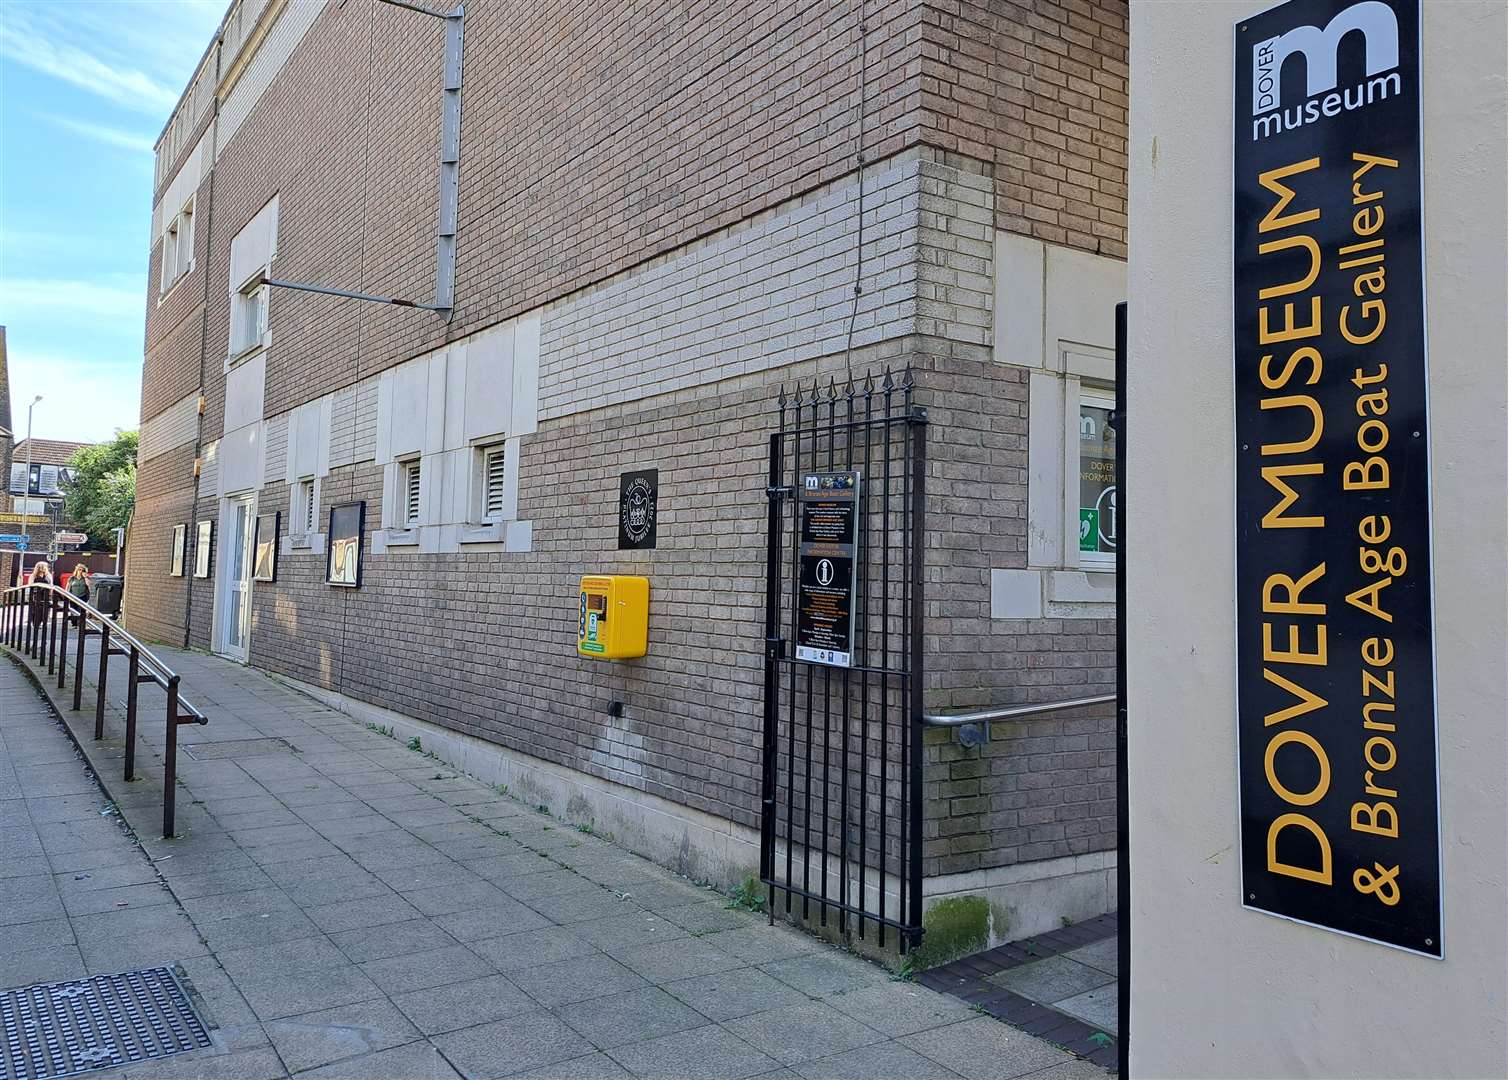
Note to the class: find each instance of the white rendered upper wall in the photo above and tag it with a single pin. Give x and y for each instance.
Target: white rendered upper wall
(1218, 990)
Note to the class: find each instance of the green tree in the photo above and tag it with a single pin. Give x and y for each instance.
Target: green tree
(103, 490)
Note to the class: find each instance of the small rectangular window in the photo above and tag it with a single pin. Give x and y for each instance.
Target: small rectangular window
(186, 239)
(412, 486)
(169, 257)
(248, 319)
(178, 247)
(494, 470)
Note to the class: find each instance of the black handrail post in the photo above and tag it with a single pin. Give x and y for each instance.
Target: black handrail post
(63, 645)
(78, 663)
(31, 632)
(170, 761)
(104, 672)
(52, 634)
(133, 676)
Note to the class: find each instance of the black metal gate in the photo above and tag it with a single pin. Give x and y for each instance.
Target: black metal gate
(841, 825)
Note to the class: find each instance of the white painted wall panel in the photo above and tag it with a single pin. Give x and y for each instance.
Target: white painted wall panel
(490, 378)
(254, 245)
(244, 387)
(241, 465)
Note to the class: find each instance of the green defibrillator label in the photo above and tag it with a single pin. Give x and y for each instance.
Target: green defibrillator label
(1089, 529)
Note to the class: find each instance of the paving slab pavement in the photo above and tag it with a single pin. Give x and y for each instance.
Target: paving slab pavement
(345, 907)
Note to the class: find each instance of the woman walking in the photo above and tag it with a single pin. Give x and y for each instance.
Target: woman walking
(39, 600)
(78, 582)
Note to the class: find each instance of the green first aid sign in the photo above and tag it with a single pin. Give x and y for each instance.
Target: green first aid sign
(1089, 529)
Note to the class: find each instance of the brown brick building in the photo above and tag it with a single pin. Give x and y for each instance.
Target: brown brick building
(660, 213)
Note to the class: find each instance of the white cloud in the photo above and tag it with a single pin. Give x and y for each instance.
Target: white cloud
(42, 46)
(82, 399)
(125, 140)
(125, 299)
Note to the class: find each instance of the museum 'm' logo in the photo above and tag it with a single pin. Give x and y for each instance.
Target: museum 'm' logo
(1378, 25)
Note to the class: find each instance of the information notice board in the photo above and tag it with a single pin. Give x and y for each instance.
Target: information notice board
(829, 564)
(1339, 793)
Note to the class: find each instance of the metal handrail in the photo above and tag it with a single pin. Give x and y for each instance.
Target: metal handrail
(118, 631)
(46, 640)
(1011, 712)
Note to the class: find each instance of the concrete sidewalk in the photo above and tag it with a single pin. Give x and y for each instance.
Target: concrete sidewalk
(346, 907)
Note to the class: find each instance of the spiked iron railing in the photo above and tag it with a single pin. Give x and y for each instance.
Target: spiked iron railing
(35, 621)
(842, 781)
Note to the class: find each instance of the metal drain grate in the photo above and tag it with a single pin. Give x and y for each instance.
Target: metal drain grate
(67, 1028)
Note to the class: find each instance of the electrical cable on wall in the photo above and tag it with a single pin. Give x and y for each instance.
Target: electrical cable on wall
(863, 101)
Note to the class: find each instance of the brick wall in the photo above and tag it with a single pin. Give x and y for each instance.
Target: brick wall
(1039, 88)
(485, 643)
(720, 148)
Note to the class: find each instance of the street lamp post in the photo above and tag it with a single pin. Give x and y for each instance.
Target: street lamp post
(26, 509)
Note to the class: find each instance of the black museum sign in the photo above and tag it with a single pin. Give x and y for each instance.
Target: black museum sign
(1337, 766)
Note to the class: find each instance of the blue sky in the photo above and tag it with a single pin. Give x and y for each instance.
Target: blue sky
(85, 89)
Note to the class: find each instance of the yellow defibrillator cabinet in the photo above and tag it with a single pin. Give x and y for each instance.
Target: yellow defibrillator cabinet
(614, 620)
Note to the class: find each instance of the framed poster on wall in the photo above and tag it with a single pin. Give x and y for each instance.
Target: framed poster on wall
(203, 539)
(264, 565)
(343, 560)
(180, 542)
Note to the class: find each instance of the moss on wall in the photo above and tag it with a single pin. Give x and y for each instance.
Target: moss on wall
(955, 927)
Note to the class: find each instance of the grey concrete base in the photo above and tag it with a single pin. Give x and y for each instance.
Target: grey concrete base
(697, 845)
(1033, 898)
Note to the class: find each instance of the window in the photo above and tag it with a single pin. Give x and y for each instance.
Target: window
(180, 540)
(248, 315)
(253, 250)
(1098, 520)
(412, 473)
(490, 504)
(178, 247)
(170, 257)
(185, 238)
(305, 507)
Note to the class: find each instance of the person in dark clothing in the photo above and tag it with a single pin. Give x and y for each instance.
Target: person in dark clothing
(40, 600)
